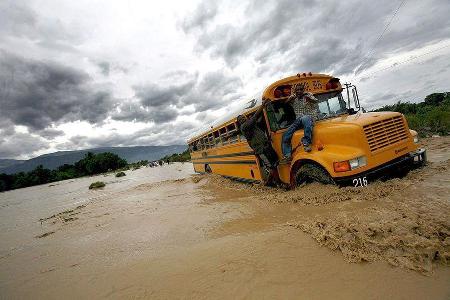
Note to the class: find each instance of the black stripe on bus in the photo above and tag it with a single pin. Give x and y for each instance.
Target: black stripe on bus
(246, 180)
(226, 155)
(229, 162)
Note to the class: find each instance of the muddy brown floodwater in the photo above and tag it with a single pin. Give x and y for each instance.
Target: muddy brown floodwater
(166, 233)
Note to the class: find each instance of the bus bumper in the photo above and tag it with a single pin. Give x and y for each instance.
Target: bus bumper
(412, 160)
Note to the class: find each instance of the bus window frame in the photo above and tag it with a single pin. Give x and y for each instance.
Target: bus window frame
(222, 134)
(284, 99)
(232, 133)
(328, 105)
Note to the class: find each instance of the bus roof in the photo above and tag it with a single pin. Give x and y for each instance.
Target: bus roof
(242, 106)
(300, 77)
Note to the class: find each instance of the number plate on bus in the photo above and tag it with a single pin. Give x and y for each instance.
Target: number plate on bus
(360, 181)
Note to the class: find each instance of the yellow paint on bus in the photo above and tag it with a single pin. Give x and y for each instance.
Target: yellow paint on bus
(345, 143)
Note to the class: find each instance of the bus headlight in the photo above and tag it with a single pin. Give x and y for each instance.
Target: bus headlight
(347, 165)
(358, 162)
(415, 136)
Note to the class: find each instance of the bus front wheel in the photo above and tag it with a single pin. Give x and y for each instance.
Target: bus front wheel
(308, 173)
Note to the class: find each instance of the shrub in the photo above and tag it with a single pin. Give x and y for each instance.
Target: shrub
(121, 174)
(429, 117)
(96, 185)
(99, 163)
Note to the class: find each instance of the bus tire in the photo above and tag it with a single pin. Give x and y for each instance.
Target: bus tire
(308, 173)
(208, 169)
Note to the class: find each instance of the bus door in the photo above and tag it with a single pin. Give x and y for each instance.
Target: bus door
(279, 116)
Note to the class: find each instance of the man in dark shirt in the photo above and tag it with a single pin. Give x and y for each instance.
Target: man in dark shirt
(258, 140)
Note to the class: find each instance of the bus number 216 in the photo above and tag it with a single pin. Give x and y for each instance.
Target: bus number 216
(360, 181)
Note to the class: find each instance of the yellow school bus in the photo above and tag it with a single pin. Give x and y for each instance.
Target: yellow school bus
(349, 145)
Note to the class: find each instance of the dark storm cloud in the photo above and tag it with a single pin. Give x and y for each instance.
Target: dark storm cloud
(165, 134)
(130, 111)
(14, 144)
(135, 112)
(320, 35)
(37, 94)
(163, 115)
(213, 90)
(16, 19)
(104, 67)
(159, 102)
(18, 144)
(6, 128)
(204, 13)
(50, 133)
(19, 20)
(156, 95)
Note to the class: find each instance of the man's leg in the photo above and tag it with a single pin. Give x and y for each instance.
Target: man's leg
(286, 147)
(265, 160)
(269, 159)
(271, 156)
(308, 124)
(266, 167)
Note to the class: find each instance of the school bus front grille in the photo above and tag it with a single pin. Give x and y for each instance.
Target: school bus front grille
(383, 133)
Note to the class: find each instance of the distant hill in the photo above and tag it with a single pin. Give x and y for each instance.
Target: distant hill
(56, 159)
(8, 162)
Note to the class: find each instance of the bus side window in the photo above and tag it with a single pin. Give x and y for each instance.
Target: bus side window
(280, 115)
(223, 135)
(232, 133)
(210, 140)
(216, 138)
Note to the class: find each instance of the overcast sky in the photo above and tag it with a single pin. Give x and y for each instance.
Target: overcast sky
(81, 74)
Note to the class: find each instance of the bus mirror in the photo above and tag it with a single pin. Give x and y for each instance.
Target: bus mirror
(356, 98)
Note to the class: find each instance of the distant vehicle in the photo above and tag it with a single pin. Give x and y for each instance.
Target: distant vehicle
(349, 145)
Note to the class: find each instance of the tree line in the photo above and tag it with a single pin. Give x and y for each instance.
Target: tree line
(432, 116)
(178, 157)
(91, 164)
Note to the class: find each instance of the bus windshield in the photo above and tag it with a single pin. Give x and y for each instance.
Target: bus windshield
(331, 104)
(281, 114)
